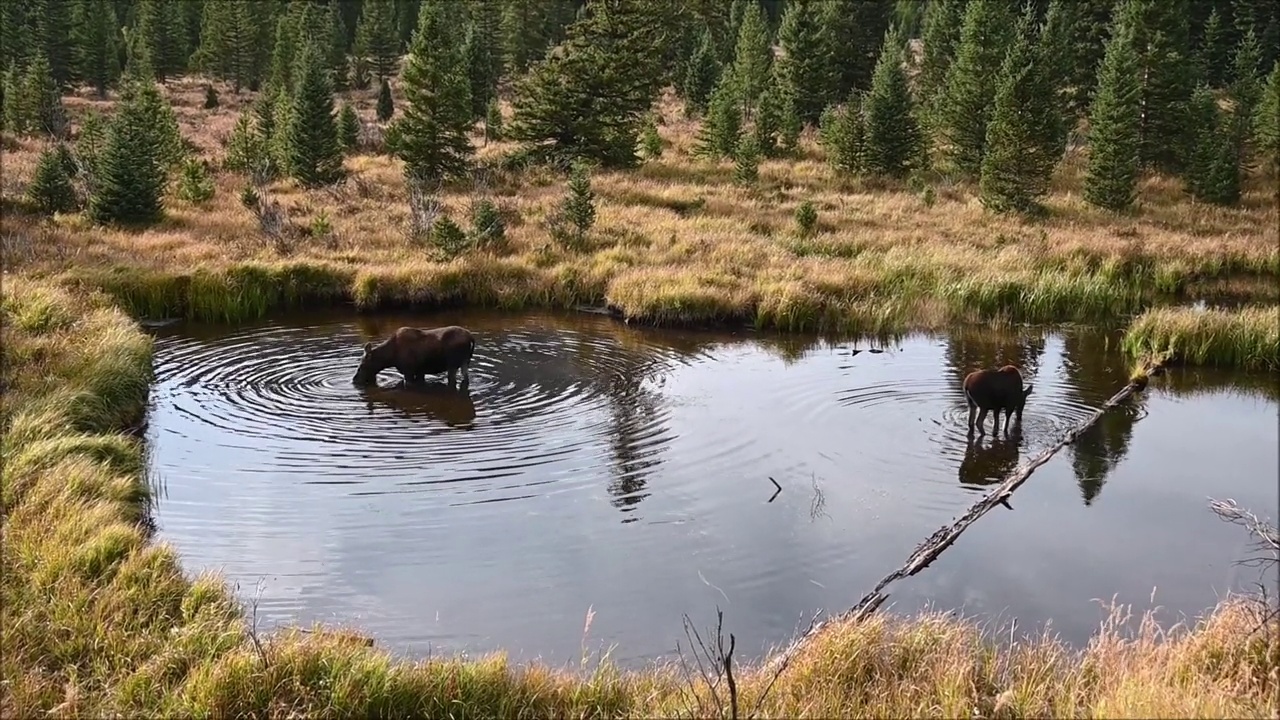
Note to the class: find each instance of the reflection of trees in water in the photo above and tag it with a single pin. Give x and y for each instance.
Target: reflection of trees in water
(1096, 371)
(969, 349)
(633, 410)
(990, 463)
(1198, 381)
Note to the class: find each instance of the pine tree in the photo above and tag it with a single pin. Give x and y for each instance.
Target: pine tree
(893, 140)
(385, 107)
(337, 42)
(1266, 121)
(1054, 56)
(1214, 51)
(785, 103)
(969, 93)
(49, 24)
(376, 37)
(50, 190)
(701, 74)
(1162, 43)
(313, 147)
(16, 117)
(40, 100)
(1111, 178)
(482, 48)
(484, 53)
(767, 126)
(579, 206)
(845, 137)
(851, 33)
(284, 54)
(348, 128)
(650, 140)
(529, 27)
(493, 121)
(752, 58)
(159, 25)
(131, 174)
(1214, 168)
(434, 130)
(1089, 37)
(589, 98)
(97, 48)
(90, 141)
(1019, 161)
(407, 20)
(722, 126)
(15, 39)
(940, 37)
(746, 161)
(805, 69)
(1246, 85)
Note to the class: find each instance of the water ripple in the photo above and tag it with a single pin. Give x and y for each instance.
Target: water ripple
(536, 398)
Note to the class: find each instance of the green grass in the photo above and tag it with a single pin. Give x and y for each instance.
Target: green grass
(1245, 338)
(96, 619)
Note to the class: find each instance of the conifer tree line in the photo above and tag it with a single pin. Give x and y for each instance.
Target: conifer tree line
(988, 90)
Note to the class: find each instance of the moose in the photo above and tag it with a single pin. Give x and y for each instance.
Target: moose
(416, 352)
(995, 390)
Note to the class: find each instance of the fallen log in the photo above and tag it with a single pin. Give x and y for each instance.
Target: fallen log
(927, 551)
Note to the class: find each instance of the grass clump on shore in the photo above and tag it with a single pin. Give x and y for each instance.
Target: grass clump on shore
(1243, 338)
(96, 619)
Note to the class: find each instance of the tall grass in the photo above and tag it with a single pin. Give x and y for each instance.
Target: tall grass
(1245, 338)
(97, 619)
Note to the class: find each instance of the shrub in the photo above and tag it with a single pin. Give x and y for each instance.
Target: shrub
(50, 191)
(806, 218)
(194, 183)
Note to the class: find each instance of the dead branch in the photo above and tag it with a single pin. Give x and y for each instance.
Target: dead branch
(927, 551)
(1231, 512)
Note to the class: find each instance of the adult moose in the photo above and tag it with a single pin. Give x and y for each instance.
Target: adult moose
(416, 353)
(995, 390)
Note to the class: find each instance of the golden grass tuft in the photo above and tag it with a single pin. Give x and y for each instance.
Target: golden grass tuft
(1245, 338)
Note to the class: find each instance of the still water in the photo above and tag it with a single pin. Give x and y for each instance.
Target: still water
(595, 469)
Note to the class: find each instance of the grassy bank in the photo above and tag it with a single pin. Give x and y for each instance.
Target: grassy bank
(674, 241)
(1244, 338)
(99, 620)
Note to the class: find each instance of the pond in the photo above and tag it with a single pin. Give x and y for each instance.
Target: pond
(603, 471)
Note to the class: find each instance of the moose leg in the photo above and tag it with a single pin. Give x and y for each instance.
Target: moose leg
(982, 418)
(453, 377)
(466, 374)
(972, 407)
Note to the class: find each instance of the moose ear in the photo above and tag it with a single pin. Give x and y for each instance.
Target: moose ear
(368, 346)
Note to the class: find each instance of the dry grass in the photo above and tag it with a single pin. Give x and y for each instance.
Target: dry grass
(1244, 338)
(675, 240)
(97, 620)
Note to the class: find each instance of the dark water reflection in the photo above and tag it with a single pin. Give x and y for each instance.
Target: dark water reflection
(595, 466)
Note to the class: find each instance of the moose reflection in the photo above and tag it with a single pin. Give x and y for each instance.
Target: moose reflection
(989, 465)
(450, 405)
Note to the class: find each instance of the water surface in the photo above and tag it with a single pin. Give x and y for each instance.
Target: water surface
(594, 468)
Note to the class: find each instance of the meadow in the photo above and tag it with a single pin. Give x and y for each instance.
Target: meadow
(98, 619)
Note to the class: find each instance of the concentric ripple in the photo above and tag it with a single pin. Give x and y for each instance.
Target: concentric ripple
(283, 394)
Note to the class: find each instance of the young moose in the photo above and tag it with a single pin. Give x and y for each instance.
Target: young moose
(416, 353)
(996, 390)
